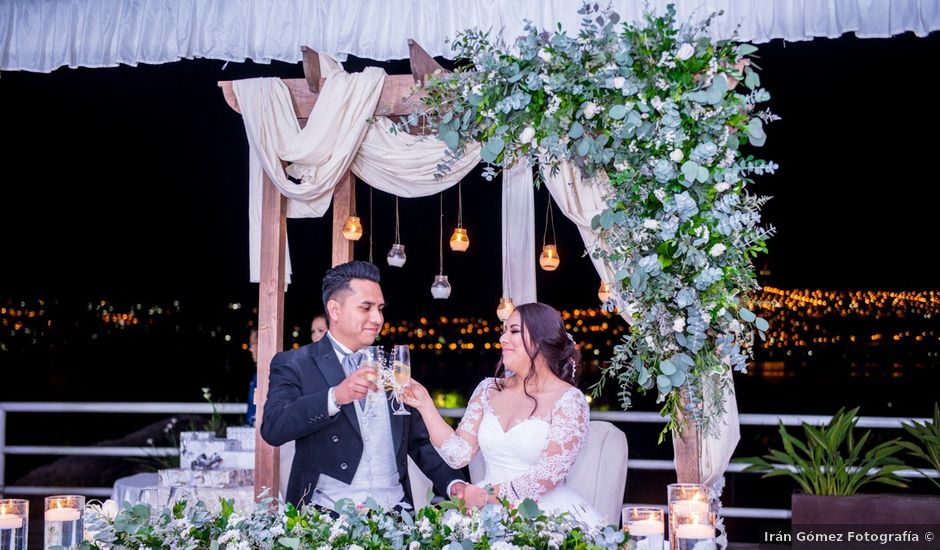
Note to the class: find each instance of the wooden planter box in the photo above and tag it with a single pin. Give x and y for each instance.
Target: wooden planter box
(865, 509)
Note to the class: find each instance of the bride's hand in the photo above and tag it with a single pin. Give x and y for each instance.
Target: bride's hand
(474, 497)
(417, 396)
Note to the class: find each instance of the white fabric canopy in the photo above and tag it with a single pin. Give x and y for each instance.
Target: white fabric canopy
(41, 36)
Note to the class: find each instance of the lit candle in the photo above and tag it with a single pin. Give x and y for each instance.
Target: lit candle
(646, 527)
(695, 531)
(9, 521)
(687, 508)
(62, 514)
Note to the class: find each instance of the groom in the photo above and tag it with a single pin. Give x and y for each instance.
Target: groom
(316, 396)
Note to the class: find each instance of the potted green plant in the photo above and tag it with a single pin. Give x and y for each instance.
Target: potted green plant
(928, 435)
(831, 465)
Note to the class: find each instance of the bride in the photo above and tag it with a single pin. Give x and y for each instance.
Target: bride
(529, 421)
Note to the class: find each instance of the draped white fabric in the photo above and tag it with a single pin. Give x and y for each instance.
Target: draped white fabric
(337, 138)
(580, 200)
(518, 234)
(41, 36)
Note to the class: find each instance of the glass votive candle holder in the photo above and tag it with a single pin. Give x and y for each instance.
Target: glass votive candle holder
(645, 526)
(14, 523)
(63, 521)
(694, 532)
(686, 500)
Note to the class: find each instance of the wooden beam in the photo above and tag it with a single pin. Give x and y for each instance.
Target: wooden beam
(344, 205)
(398, 97)
(311, 68)
(422, 64)
(270, 323)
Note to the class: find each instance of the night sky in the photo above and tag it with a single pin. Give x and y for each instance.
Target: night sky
(130, 183)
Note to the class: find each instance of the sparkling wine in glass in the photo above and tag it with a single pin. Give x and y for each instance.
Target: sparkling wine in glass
(372, 357)
(401, 366)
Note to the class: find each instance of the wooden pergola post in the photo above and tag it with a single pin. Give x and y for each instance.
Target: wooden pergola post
(344, 204)
(270, 321)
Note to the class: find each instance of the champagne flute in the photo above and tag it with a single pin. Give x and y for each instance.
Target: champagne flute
(401, 367)
(373, 357)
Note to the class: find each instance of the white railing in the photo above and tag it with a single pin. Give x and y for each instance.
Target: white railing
(99, 408)
(234, 408)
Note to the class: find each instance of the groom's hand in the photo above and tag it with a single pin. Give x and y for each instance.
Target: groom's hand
(457, 490)
(356, 386)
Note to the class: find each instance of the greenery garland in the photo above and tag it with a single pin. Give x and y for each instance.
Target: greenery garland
(653, 106)
(274, 525)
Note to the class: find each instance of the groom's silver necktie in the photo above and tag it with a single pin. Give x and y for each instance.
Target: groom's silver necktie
(351, 362)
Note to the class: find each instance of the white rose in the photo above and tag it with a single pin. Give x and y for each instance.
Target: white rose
(545, 55)
(590, 110)
(676, 155)
(110, 509)
(723, 186)
(354, 547)
(717, 250)
(678, 324)
(651, 224)
(527, 134)
(685, 51)
(619, 81)
(415, 545)
(656, 102)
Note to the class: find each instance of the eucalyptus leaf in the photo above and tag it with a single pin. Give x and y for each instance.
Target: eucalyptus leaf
(529, 509)
(584, 147)
(576, 130)
(747, 315)
(761, 324)
(663, 383)
(495, 144)
(678, 378)
(666, 367)
(617, 112)
(451, 139)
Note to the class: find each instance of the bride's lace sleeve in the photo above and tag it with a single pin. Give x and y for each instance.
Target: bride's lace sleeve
(569, 428)
(459, 448)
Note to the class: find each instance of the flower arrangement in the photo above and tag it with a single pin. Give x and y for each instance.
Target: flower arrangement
(276, 525)
(654, 107)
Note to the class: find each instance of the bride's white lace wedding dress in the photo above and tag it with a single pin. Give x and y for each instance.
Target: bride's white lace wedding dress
(530, 459)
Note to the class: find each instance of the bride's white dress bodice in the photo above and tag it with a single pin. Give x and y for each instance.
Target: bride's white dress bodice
(529, 459)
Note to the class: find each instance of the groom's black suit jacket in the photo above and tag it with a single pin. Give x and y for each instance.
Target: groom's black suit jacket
(296, 409)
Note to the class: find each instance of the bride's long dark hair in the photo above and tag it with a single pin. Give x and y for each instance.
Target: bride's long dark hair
(543, 333)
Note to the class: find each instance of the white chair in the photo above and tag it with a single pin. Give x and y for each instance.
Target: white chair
(599, 474)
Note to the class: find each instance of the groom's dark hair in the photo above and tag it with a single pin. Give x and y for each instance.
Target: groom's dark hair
(336, 281)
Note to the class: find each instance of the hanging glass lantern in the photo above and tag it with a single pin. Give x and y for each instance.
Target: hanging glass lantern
(440, 289)
(505, 309)
(352, 229)
(459, 241)
(549, 259)
(603, 292)
(396, 256)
